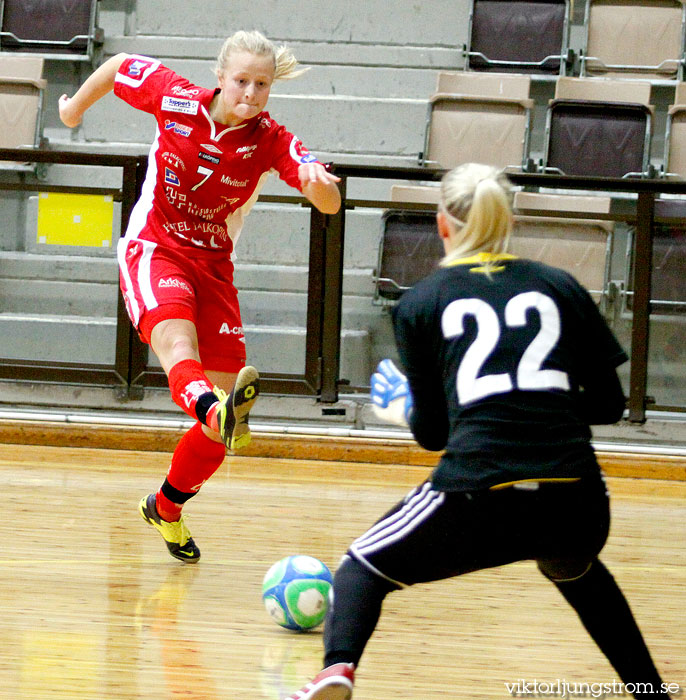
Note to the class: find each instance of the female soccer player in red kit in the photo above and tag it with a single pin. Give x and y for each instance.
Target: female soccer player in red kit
(212, 152)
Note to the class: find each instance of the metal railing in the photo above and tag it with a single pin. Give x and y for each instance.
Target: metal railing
(131, 373)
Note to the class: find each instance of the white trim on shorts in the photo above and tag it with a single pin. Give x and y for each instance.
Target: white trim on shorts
(143, 278)
(419, 505)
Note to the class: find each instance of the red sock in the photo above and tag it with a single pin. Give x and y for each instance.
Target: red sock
(188, 383)
(194, 461)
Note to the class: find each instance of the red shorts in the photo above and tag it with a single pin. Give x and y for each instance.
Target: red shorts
(160, 283)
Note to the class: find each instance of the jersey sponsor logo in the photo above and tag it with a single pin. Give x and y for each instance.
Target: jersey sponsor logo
(207, 156)
(136, 68)
(180, 129)
(299, 153)
(170, 177)
(211, 148)
(176, 227)
(175, 104)
(226, 329)
(209, 227)
(174, 282)
(265, 123)
(228, 180)
(173, 160)
(246, 150)
(184, 92)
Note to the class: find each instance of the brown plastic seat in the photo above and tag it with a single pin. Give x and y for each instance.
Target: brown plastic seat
(599, 127)
(675, 135)
(641, 39)
(55, 30)
(478, 118)
(22, 89)
(409, 250)
(521, 36)
(581, 246)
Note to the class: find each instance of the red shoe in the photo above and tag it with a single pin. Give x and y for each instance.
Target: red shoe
(333, 683)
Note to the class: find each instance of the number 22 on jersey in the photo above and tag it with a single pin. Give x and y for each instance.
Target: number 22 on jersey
(529, 376)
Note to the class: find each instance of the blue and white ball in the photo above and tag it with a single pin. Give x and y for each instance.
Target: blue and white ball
(296, 592)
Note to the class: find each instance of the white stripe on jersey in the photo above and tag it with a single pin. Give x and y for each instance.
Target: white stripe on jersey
(137, 82)
(418, 507)
(143, 206)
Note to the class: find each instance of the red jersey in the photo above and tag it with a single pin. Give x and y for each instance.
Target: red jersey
(203, 177)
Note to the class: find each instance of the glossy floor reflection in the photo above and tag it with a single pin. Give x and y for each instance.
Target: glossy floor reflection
(94, 607)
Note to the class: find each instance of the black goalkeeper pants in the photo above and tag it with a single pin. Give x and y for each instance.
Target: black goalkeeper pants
(432, 535)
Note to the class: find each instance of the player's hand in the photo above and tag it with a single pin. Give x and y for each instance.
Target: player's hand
(314, 172)
(69, 116)
(390, 392)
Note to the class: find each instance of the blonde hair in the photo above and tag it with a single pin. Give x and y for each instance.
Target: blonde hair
(477, 200)
(254, 42)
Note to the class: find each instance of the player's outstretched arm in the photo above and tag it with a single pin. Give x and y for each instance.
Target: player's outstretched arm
(320, 187)
(97, 85)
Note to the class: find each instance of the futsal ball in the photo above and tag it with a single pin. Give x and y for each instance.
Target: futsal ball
(295, 592)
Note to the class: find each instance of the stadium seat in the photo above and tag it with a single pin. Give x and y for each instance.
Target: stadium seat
(521, 36)
(581, 246)
(55, 30)
(641, 39)
(22, 89)
(480, 119)
(598, 127)
(668, 282)
(668, 286)
(675, 135)
(409, 249)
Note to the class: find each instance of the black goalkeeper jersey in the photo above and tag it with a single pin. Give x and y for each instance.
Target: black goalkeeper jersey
(496, 365)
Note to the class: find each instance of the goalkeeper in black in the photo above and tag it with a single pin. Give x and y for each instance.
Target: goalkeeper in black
(507, 362)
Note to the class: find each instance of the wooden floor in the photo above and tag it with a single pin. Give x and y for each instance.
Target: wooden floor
(94, 608)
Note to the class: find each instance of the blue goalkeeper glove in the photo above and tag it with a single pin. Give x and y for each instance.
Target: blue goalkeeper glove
(390, 392)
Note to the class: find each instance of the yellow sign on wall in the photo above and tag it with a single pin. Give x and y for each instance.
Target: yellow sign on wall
(75, 219)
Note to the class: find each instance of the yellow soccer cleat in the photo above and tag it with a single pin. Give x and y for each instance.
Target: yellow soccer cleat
(234, 408)
(176, 534)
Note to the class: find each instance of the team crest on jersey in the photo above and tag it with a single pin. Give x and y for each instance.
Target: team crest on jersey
(299, 153)
(173, 160)
(136, 68)
(170, 177)
(176, 104)
(180, 129)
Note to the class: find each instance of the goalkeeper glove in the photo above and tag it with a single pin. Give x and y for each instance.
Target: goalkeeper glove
(390, 392)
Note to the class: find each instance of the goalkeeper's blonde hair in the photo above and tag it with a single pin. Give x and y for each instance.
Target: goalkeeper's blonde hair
(286, 65)
(477, 200)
